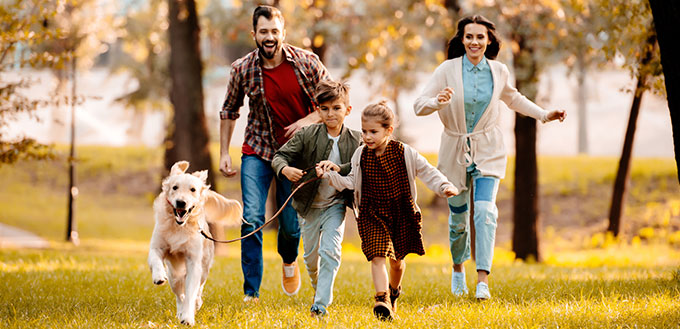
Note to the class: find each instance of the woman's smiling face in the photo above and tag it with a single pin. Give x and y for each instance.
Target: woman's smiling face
(475, 40)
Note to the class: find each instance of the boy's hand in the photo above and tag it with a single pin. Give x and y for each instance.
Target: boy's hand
(557, 115)
(451, 191)
(293, 174)
(326, 166)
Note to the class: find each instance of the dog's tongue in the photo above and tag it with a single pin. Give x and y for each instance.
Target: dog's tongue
(179, 213)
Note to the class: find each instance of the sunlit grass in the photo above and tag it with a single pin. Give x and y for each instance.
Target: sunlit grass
(590, 280)
(102, 286)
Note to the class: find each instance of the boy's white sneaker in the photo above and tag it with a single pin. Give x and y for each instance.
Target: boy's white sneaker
(458, 285)
(482, 291)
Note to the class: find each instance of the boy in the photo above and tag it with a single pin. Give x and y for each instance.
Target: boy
(327, 146)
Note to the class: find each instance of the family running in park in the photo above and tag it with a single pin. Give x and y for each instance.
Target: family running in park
(295, 132)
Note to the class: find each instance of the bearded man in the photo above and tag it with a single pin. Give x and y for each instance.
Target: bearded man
(279, 80)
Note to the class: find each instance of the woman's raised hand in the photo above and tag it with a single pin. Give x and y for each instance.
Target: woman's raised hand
(557, 115)
(445, 95)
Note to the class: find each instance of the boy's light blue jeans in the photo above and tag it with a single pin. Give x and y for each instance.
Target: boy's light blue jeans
(485, 189)
(322, 232)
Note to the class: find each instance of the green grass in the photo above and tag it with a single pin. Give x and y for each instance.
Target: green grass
(586, 280)
(97, 286)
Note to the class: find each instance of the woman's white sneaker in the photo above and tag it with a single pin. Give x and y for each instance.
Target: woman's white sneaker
(482, 291)
(458, 284)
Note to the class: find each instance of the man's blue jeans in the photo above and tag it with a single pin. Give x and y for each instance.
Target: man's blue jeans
(256, 177)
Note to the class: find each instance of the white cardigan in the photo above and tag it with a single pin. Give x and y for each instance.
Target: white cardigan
(486, 148)
(416, 166)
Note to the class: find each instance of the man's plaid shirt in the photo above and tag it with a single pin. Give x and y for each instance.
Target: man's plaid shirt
(246, 79)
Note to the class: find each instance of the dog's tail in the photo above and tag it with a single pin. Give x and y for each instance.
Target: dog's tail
(222, 210)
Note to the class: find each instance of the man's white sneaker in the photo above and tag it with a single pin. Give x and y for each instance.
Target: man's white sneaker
(250, 299)
(458, 284)
(482, 291)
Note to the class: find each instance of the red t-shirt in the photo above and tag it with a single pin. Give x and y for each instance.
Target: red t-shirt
(286, 99)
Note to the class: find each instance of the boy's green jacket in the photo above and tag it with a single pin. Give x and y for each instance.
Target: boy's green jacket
(308, 147)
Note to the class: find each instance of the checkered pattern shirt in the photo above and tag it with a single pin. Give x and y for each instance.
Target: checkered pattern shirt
(246, 79)
(388, 223)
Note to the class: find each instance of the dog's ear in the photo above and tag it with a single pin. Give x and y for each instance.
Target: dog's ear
(179, 167)
(203, 175)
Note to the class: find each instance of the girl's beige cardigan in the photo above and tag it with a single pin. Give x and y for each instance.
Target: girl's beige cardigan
(486, 148)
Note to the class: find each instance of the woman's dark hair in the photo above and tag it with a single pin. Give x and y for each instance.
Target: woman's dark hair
(268, 12)
(456, 48)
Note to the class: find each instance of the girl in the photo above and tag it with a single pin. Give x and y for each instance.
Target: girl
(466, 91)
(389, 220)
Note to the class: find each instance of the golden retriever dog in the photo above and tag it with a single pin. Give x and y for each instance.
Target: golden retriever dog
(178, 252)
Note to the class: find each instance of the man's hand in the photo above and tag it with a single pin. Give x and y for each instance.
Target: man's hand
(225, 166)
(445, 95)
(297, 125)
(451, 191)
(325, 166)
(293, 174)
(557, 115)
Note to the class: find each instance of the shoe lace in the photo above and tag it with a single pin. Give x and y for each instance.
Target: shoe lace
(381, 297)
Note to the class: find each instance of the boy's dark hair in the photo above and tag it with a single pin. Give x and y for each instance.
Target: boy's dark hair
(455, 46)
(329, 90)
(268, 12)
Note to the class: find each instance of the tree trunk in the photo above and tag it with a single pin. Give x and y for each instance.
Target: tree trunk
(525, 241)
(525, 202)
(666, 16)
(621, 182)
(624, 162)
(453, 7)
(582, 104)
(188, 136)
(320, 48)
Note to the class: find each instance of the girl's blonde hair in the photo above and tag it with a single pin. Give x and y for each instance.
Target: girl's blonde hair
(381, 112)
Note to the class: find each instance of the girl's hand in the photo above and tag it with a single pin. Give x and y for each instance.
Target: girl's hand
(326, 166)
(557, 115)
(293, 174)
(445, 95)
(451, 191)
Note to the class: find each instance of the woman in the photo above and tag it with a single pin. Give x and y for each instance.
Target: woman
(468, 92)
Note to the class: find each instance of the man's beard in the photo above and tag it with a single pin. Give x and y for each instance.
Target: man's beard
(264, 53)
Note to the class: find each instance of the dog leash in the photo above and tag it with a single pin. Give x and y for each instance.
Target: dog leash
(269, 220)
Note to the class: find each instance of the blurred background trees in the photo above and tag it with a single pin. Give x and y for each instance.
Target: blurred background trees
(631, 35)
(391, 45)
(24, 28)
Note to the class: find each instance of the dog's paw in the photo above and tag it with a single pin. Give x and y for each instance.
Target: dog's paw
(189, 321)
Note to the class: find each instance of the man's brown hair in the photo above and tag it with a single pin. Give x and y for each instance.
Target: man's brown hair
(268, 12)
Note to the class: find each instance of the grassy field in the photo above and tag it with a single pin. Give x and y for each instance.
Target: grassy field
(97, 286)
(586, 278)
